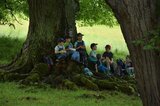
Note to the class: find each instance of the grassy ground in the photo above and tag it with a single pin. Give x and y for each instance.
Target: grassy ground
(8, 48)
(104, 35)
(14, 95)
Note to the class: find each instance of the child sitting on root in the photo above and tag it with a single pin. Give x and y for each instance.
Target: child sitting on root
(81, 48)
(129, 66)
(97, 61)
(109, 56)
(100, 67)
(60, 51)
(71, 51)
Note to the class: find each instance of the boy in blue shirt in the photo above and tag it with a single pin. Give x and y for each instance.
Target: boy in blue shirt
(100, 67)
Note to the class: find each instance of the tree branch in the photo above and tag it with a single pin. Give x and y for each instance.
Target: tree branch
(11, 12)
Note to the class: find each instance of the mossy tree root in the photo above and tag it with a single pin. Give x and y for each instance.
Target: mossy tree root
(67, 77)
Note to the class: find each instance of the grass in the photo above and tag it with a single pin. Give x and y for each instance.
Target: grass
(11, 40)
(14, 95)
(104, 35)
(8, 48)
(11, 94)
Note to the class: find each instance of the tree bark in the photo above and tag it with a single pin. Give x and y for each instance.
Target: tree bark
(71, 8)
(47, 22)
(137, 18)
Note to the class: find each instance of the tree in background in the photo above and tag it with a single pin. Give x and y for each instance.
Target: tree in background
(138, 20)
(10, 9)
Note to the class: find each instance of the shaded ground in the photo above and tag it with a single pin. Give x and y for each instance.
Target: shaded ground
(16, 95)
(9, 47)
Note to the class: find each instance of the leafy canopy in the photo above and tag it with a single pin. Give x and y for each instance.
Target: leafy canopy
(10, 9)
(91, 12)
(95, 12)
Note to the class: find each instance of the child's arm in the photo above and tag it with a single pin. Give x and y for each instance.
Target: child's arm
(96, 66)
(83, 47)
(61, 52)
(111, 61)
(78, 47)
(57, 51)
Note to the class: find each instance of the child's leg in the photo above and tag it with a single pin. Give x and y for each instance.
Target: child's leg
(106, 62)
(49, 61)
(84, 57)
(61, 56)
(114, 68)
(129, 70)
(76, 56)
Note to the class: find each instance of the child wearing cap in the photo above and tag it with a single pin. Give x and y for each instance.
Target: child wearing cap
(81, 48)
(96, 59)
(60, 51)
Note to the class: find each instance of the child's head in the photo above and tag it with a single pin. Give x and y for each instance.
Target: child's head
(108, 48)
(68, 39)
(61, 41)
(94, 46)
(99, 56)
(80, 36)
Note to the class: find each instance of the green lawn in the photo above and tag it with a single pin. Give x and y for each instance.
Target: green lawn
(11, 39)
(14, 95)
(100, 34)
(104, 35)
(11, 94)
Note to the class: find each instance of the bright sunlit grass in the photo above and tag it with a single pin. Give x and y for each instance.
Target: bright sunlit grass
(102, 35)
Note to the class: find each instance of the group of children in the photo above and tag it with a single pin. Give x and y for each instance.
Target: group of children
(101, 63)
(77, 52)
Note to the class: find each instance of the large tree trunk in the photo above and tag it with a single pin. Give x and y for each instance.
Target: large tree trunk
(137, 18)
(71, 8)
(47, 23)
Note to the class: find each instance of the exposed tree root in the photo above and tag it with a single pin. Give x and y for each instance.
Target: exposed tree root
(67, 74)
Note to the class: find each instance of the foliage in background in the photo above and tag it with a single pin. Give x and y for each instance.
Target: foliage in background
(92, 12)
(11, 10)
(151, 41)
(95, 12)
(10, 45)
